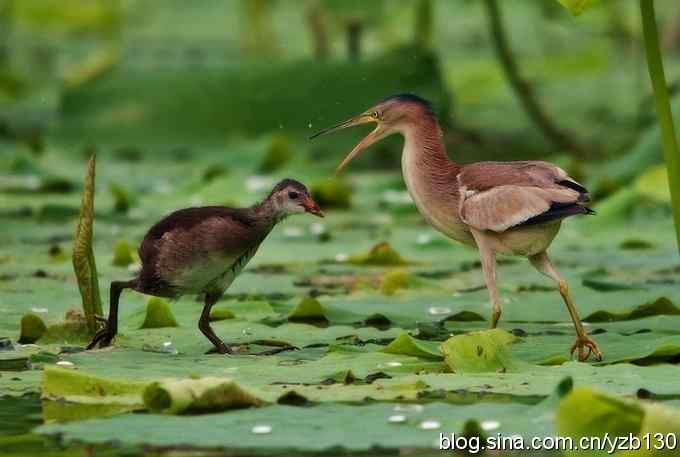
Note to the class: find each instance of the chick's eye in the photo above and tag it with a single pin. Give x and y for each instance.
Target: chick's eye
(293, 195)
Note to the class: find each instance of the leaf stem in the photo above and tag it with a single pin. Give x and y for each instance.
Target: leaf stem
(663, 107)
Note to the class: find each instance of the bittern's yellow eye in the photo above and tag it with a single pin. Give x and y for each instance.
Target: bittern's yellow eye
(375, 115)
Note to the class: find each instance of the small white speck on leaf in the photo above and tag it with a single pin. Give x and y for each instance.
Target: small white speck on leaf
(430, 424)
(261, 429)
(396, 419)
(438, 310)
(489, 425)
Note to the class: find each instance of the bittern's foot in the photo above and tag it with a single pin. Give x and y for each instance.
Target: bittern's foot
(582, 343)
(104, 335)
(495, 315)
(220, 349)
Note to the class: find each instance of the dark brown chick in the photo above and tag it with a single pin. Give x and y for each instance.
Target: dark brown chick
(202, 250)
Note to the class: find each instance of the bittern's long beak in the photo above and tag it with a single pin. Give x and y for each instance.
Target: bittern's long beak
(369, 139)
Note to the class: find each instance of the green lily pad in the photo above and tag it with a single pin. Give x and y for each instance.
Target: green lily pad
(483, 351)
(158, 314)
(32, 328)
(382, 254)
(197, 396)
(308, 309)
(408, 345)
(599, 414)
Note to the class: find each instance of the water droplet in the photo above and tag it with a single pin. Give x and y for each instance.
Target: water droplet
(317, 228)
(396, 419)
(570, 324)
(309, 125)
(168, 348)
(163, 348)
(341, 257)
(246, 331)
(65, 364)
(438, 310)
(490, 425)
(409, 408)
(39, 310)
(389, 365)
(456, 294)
(424, 238)
(261, 429)
(430, 424)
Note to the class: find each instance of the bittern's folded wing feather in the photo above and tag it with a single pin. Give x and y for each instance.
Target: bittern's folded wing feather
(500, 195)
(503, 207)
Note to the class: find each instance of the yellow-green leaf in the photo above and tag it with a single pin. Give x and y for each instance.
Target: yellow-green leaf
(208, 394)
(83, 256)
(475, 352)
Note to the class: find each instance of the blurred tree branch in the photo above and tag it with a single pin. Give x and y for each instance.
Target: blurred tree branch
(258, 32)
(424, 24)
(521, 87)
(316, 19)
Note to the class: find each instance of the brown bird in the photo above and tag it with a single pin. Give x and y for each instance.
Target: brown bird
(513, 208)
(202, 250)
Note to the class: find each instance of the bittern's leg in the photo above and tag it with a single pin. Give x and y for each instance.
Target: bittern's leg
(542, 263)
(105, 334)
(487, 257)
(204, 325)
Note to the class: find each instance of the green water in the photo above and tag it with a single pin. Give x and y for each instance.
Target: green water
(18, 416)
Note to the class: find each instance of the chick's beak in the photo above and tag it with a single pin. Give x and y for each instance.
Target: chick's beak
(371, 138)
(311, 207)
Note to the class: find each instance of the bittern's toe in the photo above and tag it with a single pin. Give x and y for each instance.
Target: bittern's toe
(583, 343)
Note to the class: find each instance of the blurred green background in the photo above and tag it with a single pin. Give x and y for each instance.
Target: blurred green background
(167, 75)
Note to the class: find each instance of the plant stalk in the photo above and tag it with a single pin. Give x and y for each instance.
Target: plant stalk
(663, 108)
(522, 88)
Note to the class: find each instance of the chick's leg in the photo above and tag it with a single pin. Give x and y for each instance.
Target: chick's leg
(204, 325)
(105, 335)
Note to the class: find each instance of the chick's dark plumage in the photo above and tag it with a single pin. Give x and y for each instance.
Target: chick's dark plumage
(202, 250)
(195, 235)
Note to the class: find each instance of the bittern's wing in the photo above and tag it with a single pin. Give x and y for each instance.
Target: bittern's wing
(497, 196)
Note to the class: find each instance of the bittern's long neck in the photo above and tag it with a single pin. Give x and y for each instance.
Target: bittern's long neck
(431, 177)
